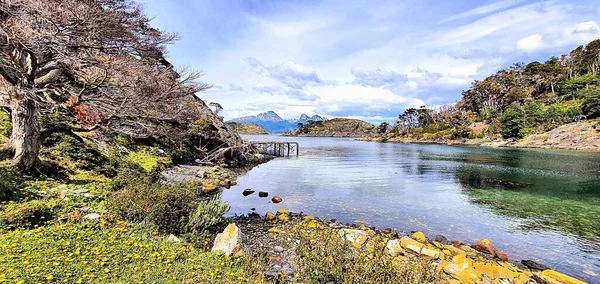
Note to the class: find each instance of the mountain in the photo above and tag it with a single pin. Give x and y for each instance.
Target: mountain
(270, 121)
(305, 118)
(337, 127)
(273, 123)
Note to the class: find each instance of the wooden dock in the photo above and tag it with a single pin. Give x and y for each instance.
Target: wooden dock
(277, 148)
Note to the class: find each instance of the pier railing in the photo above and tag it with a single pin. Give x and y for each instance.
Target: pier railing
(277, 148)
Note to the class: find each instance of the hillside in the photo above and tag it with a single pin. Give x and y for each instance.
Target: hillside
(337, 127)
(247, 128)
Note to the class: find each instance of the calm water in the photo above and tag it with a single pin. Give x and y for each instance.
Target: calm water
(449, 190)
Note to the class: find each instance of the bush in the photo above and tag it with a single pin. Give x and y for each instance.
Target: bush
(523, 132)
(8, 184)
(26, 214)
(591, 104)
(167, 206)
(208, 217)
(512, 122)
(5, 126)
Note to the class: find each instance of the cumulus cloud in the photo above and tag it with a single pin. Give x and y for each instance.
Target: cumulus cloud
(378, 78)
(579, 33)
(293, 75)
(530, 43)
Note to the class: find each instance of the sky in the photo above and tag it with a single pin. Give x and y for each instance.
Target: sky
(360, 59)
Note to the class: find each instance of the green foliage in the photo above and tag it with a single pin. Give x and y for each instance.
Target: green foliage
(5, 127)
(570, 87)
(534, 113)
(208, 218)
(8, 184)
(591, 104)
(324, 257)
(512, 122)
(203, 125)
(523, 132)
(146, 159)
(27, 214)
(167, 206)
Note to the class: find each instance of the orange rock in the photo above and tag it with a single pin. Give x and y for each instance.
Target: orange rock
(276, 199)
(484, 246)
(456, 243)
(501, 255)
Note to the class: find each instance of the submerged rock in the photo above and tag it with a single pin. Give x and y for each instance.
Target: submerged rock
(534, 265)
(231, 241)
(263, 194)
(276, 199)
(247, 192)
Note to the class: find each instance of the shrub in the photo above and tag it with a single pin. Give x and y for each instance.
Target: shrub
(208, 218)
(8, 184)
(167, 206)
(5, 126)
(35, 212)
(526, 131)
(512, 122)
(591, 104)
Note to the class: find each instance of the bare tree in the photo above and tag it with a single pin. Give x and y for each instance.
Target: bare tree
(96, 58)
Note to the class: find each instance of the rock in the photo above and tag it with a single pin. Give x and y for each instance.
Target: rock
(356, 237)
(494, 271)
(432, 253)
(278, 249)
(92, 216)
(484, 246)
(394, 248)
(283, 218)
(79, 191)
(263, 194)
(456, 243)
(282, 211)
(534, 265)
(270, 216)
(208, 187)
(562, 278)
(441, 239)
(387, 231)
(173, 238)
(247, 192)
(501, 255)
(276, 199)
(419, 236)
(230, 242)
(461, 268)
(454, 250)
(60, 195)
(201, 174)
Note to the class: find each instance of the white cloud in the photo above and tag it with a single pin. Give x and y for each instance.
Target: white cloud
(530, 43)
(484, 10)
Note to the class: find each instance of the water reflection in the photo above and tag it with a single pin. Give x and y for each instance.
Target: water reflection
(534, 204)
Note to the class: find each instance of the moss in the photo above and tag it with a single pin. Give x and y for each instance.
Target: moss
(5, 127)
(16, 215)
(146, 160)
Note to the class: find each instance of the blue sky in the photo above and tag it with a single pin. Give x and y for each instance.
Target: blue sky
(362, 59)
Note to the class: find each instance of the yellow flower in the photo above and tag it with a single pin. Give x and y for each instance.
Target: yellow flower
(49, 277)
(106, 270)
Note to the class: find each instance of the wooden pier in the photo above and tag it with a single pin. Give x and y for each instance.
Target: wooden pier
(277, 148)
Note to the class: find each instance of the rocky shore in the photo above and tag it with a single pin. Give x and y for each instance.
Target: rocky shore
(280, 236)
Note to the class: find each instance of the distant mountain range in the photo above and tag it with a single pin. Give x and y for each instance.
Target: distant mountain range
(273, 123)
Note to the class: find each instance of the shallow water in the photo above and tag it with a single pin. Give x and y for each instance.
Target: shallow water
(456, 191)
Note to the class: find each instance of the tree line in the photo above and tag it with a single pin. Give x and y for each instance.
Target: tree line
(514, 102)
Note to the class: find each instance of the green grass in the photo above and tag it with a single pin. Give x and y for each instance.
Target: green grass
(146, 160)
(76, 252)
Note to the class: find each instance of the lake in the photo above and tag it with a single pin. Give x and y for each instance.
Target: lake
(532, 203)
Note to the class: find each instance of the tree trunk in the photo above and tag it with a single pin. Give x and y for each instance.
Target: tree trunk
(25, 137)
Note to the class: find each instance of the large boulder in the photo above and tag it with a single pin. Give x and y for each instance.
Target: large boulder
(231, 241)
(461, 268)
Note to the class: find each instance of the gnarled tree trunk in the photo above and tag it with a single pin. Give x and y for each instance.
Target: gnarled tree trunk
(25, 137)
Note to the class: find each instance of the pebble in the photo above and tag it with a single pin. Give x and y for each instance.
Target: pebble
(278, 249)
(92, 216)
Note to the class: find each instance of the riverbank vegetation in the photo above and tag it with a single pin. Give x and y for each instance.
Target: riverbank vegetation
(516, 102)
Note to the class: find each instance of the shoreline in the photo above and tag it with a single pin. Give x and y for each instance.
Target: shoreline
(482, 143)
(270, 235)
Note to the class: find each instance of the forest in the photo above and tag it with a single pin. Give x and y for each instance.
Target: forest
(517, 101)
